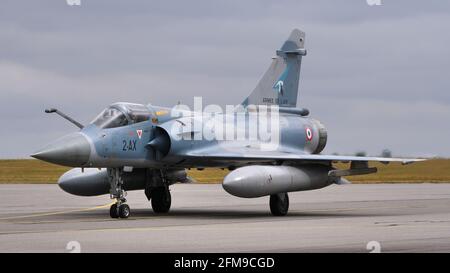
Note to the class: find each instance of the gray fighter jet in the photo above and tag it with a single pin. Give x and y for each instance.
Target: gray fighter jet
(132, 146)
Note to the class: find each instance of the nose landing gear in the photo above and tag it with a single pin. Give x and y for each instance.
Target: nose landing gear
(122, 211)
(119, 209)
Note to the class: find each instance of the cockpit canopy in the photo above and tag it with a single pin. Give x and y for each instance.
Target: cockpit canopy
(121, 114)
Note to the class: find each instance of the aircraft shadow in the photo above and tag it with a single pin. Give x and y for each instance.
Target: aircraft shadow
(211, 214)
(246, 214)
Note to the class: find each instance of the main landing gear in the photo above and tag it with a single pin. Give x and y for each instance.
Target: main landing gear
(279, 204)
(161, 200)
(157, 191)
(119, 209)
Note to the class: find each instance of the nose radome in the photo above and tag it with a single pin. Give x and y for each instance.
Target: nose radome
(72, 150)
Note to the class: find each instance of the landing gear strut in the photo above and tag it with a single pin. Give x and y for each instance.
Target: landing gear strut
(279, 204)
(158, 192)
(119, 209)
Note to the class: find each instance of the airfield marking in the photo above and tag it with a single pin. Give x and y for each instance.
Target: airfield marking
(198, 227)
(159, 217)
(170, 226)
(57, 212)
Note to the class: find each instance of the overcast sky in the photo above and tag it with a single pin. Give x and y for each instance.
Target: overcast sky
(376, 76)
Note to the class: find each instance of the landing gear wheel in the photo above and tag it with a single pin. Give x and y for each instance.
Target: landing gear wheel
(279, 204)
(124, 211)
(161, 200)
(113, 212)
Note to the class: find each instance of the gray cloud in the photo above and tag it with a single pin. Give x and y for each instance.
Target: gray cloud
(376, 76)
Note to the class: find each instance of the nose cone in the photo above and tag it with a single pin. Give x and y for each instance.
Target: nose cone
(72, 150)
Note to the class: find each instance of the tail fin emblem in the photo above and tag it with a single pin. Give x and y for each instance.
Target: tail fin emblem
(279, 87)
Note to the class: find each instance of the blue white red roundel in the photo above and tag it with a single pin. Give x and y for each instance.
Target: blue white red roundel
(309, 134)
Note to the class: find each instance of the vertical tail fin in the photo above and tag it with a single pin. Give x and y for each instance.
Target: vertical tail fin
(279, 85)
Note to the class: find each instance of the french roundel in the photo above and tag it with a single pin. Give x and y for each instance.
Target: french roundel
(309, 134)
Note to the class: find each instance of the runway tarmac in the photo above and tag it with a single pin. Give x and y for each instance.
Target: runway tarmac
(204, 218)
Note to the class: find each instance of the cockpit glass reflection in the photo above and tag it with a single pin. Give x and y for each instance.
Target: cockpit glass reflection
(110, 118)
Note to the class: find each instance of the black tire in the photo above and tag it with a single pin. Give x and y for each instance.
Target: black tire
(148, 193)
(113, 211)
(124, 211)
(161, 200)
(279, 204)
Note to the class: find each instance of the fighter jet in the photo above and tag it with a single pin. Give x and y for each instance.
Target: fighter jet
(131, 146)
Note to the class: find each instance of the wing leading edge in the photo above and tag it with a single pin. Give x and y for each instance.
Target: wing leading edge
(246, 155)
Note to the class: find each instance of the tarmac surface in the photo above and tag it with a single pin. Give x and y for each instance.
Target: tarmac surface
(204, 218)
